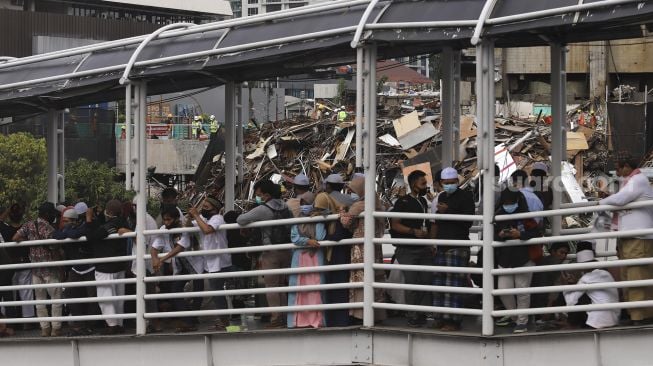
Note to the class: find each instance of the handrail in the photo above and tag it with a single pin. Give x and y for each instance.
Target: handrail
(419, 216)
(572, 211)
(575, 237)
(256, 291)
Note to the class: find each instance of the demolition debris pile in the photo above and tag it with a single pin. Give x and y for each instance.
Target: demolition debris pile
(319, 147)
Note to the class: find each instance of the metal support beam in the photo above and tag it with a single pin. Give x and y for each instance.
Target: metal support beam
(61, 156)
(240, 118)
(128, 137)
(485, 111)
(53, 155)
(136, 107)
(360, 80)
(370, 188)
(457, 62)
(558, 135)
(141, 206)
(230, 145)
(447, 106)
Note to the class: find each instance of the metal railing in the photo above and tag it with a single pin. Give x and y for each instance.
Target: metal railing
(374, 283)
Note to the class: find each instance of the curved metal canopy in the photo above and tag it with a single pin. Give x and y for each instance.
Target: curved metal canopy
(303, 39)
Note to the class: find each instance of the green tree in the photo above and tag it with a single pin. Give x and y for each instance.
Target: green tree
(380, 83)
(22, 168)
(93, 182)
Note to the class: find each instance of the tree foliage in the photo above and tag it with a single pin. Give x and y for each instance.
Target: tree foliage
(92, 182)
(22, 168)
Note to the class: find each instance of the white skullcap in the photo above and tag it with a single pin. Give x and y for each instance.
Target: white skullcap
(585, 256)
(71, 214)
(81, 208)
(449, 173)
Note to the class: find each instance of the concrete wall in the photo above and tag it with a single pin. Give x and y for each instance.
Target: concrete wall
(168, 156)
(630, 56)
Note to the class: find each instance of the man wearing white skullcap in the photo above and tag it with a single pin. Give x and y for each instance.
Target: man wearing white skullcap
(457, 202)
(598, 318)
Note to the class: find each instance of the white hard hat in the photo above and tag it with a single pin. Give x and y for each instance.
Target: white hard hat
(212, 117)
(342, 107)
(197, 118)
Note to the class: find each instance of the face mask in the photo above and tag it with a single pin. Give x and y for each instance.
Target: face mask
(207, 213)
(510, 208)
(259, 200)
(306, 209)
(15, 217)
(450, 188)
(354, 196)
(107, 216)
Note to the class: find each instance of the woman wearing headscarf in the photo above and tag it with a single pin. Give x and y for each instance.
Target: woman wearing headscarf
(351, 221)
(327, 205)
(307, 254)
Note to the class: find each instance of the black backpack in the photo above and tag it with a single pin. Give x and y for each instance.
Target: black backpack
(280, 234)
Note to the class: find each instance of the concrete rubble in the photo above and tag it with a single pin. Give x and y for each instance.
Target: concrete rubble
(408, 139)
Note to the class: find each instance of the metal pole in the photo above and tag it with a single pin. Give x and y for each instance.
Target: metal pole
(456, 104)
(62, 158)
(446, 98)
(360, 69)
(558, 110)
(370, 191)
(53, 156)
(230, 145)
(137, 137)
(485, 103)
(141, 206)
(240, 160)
(128, 136)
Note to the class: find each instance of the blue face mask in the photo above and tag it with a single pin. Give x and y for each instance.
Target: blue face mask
(306, 209)
(259, 200)
(510, 208)
(354, 196)
(450, 188)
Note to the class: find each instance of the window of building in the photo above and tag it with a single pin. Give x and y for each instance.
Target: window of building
(271, 8)
(295, 5)
(252, 11)
(252, 1)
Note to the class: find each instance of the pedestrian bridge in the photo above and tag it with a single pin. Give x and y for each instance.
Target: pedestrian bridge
(185, 56)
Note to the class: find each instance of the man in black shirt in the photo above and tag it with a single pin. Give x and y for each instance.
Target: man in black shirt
(453, 201)
(414, 254)
(111, 222)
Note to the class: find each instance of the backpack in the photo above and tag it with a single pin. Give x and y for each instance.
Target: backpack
(280, 234)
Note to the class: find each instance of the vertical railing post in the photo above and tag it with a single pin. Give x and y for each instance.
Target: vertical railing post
(370, 190)
(230, 145)
(558, 135)
(141, 210)
(486, 110)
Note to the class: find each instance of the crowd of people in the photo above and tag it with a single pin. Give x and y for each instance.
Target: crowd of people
(524, 192)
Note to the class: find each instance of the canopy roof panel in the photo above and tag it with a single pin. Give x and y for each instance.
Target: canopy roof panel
(301, 40)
